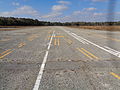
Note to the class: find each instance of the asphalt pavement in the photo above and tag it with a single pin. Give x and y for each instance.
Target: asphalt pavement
(59, 58)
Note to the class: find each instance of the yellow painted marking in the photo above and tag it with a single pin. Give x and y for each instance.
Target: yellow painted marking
(48, 31)
(68, 41)
(57, 36)
(109, 38)
(5, 51)
(21, 45)
(115, 39)
(5, 54)
(115, 75)
(32, 37)
(90, 53)
(55, 42)
(58, 42)
(47, 38)
(84, 53)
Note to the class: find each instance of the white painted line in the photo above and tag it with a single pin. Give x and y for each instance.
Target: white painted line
(39, 77)
(111, 52)
(77, 37)
(112, 49)
(117, 53)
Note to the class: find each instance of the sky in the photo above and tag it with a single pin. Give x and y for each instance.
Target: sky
(60, 10)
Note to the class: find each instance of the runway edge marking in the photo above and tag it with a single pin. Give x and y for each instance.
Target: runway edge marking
(115, 54)
(39, 77)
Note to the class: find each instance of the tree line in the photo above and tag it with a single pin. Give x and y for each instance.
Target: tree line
(11, 21)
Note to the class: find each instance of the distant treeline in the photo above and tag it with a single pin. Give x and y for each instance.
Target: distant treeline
(11, 21)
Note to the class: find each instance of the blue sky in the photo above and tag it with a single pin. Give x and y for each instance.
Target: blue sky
(59, 10)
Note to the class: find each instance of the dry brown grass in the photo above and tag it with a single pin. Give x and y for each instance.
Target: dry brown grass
(8, 29)
(11, 28)
(108, 28)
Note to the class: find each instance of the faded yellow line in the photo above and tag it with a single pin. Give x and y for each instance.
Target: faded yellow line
(115, 75)
(49, 32)
(90, 53)
(32, 37)
(84, 53)
(6, 54)
(48, 38)
(68, 41)
(115, 39)
(110, 38)
(21, 45)
(55, 42)
(57, 36)
(58, 41)
(5, 51)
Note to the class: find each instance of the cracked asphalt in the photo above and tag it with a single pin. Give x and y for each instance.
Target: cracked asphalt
(59, 58)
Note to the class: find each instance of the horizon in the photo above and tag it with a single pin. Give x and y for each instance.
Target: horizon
(62, 22)
(59, 10)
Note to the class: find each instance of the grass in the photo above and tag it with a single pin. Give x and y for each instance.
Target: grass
(11, 28)
(104, 28)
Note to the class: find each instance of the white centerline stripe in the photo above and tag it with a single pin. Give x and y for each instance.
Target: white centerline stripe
(39, 77)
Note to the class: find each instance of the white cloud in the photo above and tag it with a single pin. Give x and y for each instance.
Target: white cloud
(15, 4)
(84, 11)
(106, 14)
(98, 14)
(56, 11)
(24, 10)
(99, 0)
(64, 2)
(57, 8)
(77, 12)
(90, 9)
(55, 14)
(117, 13)
(84, 15)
